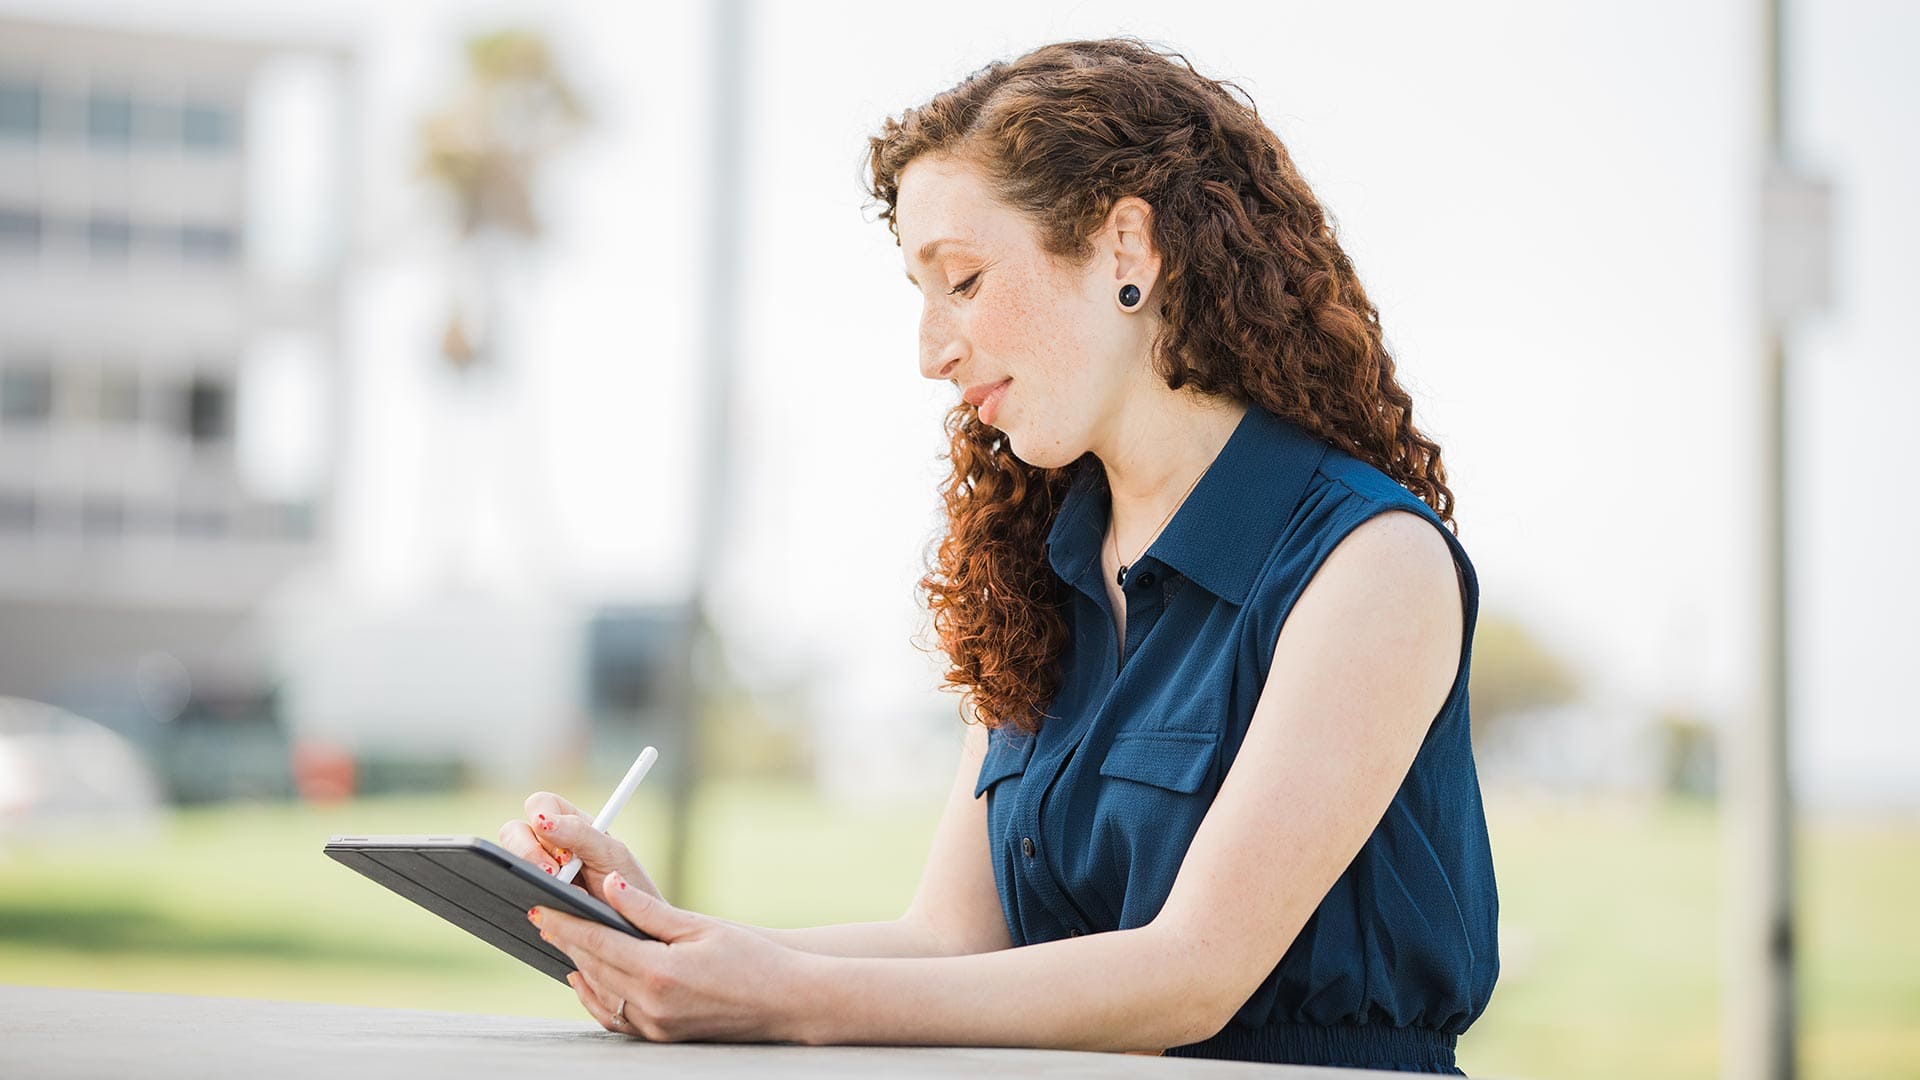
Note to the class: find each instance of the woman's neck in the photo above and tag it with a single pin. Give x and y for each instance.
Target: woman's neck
(1155, 452)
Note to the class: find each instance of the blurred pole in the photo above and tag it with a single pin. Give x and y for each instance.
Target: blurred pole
(1762, 1016)
(726, 122)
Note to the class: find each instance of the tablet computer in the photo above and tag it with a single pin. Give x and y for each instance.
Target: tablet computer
(478, 886)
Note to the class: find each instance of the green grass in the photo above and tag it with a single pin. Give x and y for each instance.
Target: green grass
(1609, 918)
(240, 901)
(1611, 938)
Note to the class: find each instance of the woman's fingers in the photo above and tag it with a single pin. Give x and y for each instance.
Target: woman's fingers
(565, 832)
(571, 835)
(546, 802)
(517, 838)
(597, 1007)
(607, 964)
(636, 877)
(575, 835)
(594, 983)
(601, 951)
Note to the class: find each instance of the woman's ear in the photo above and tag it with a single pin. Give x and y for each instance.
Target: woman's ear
(1136, 261)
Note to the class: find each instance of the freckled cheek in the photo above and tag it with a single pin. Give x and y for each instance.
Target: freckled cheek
(1018, 331)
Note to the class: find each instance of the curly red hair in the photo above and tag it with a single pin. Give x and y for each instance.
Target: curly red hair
(1260, 304)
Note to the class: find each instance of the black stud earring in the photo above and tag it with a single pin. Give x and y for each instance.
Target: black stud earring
(1129, 295)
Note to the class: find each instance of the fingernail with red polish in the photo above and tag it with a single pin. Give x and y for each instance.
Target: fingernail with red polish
(533, 916)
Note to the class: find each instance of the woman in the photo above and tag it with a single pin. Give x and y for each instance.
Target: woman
(1198, 587)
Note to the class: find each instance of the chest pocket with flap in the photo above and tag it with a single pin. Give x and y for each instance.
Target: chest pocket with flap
(1175, 760)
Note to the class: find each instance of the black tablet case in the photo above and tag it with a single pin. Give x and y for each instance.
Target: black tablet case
(478, 886)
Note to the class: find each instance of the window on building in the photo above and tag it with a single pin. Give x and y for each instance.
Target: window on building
(19, 110)
(19, 230)
(209, 411)
(207, 243)
(109, 237)
(205, 126)
(26, 393)
(110, 118)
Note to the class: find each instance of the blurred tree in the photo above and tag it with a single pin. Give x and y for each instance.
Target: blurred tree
(1512, 673)
(485, 148)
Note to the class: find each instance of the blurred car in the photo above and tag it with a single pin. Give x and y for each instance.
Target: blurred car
(60, 770)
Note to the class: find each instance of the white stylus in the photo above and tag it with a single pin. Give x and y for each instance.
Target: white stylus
(619, 799)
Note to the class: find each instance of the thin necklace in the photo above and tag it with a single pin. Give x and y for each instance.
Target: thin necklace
(1113, 534)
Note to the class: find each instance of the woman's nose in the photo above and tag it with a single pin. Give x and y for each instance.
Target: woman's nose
(940, 352)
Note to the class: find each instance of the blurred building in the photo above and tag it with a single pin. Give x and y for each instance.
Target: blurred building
(142, 320)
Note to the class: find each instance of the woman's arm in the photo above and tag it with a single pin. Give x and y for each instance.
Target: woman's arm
(894, 937)
(1127, 990)
(956, 909)
(1363, 664)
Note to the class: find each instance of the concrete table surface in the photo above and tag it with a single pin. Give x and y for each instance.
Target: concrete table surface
(58, 1032)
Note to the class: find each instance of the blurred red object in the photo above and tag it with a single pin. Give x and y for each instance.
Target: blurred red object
(322, 772)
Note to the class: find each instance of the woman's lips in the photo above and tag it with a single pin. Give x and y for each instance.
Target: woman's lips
(990, 405)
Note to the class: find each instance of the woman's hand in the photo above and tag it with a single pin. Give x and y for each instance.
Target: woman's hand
(703, 979)
(555, 830)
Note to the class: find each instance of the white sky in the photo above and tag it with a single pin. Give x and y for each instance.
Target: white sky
(1551, 205)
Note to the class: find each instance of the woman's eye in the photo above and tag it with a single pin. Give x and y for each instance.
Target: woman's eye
(965, 285)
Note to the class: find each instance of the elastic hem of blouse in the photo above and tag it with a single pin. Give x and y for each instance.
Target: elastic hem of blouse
(1367, 1046)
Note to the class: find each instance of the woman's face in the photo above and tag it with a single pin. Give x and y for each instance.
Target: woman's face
(997, 307)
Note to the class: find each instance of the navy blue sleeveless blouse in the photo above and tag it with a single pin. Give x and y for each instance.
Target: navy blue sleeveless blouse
(1089, 819)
